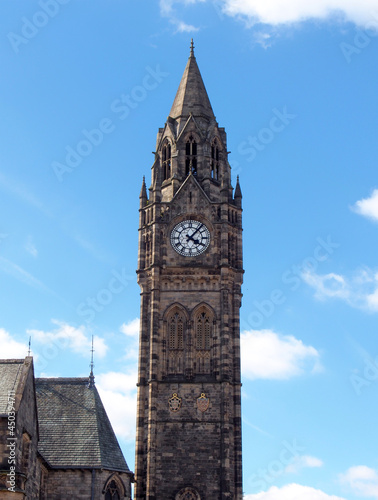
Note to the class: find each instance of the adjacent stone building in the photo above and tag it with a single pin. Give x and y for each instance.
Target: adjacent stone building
(190, 271)
(56, 441)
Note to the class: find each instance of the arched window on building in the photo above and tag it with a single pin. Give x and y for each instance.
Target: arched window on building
(204, 332)
(166, 160)
(112, 492)
(176, 332)
(191, 157)
(188, 494)
(214, 165)
(26, 442)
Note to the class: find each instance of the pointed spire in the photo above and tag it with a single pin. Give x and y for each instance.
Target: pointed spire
(238, 194)
(157, 180)
(91, 382)
(191, 96)
(143, 193)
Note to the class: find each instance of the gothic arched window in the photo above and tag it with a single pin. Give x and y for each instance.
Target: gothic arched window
(188, 494)
(26, 442)
(191, 156)
(112, 492)
(203, 332)
(176, 333)
(214, 165)
(166, 161)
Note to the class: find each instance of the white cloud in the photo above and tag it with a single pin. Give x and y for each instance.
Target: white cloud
(65, 336)
(118, 394)
(11, 348)
(275, 13)
(292, 492)
(327, 285)
(167, 10)
(303, 462)
(361, 480)
(269, 355)
(131, 328)
(182, 27)
(368, 207)
(360, 290)
(30, 247)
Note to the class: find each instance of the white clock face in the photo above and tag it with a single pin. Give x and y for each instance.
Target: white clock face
(190, 238)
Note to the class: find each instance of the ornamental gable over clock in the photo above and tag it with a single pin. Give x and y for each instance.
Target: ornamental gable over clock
(190, 271)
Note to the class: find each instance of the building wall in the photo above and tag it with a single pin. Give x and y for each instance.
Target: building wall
(68, 484)
(24, 443)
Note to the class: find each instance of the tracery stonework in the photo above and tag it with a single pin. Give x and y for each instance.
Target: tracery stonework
(190, 272)
(188, 494)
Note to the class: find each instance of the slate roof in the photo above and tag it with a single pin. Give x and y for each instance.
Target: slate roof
(13, 374)
(191, 96)
(75, 431)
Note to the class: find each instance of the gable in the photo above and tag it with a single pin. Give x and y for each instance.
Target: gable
(190, 194)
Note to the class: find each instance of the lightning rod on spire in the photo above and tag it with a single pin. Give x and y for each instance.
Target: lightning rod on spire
(91, 376)
(191, 48)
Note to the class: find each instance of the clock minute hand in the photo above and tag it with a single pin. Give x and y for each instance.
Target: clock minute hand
(198, 228)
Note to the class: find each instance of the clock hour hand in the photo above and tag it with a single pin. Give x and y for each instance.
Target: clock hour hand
(190, 237)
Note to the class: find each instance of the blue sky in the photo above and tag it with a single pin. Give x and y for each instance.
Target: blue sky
(295, 86)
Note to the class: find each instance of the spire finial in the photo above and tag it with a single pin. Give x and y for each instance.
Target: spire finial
(191, 48)
(29, 346)
(91, 376)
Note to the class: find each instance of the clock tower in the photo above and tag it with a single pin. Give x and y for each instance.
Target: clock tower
(190, 271)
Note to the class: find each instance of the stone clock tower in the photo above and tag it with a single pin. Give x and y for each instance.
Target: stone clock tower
(190, 271)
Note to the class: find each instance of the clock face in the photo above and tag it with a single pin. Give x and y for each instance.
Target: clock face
(190, 238)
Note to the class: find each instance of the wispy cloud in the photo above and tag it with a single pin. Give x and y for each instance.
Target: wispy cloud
(361, 480)
(65, 336)
(270, 355)
(168, 10)
(255, 427)
(292, 492)
(91, 248)
(30, 247)
(300, 462)
(20, 274)
(21, 192)
(360, 290)
(368, 207)
(182, 27)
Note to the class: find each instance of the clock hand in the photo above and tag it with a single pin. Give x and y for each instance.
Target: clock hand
(198, 228)
(190, 237)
